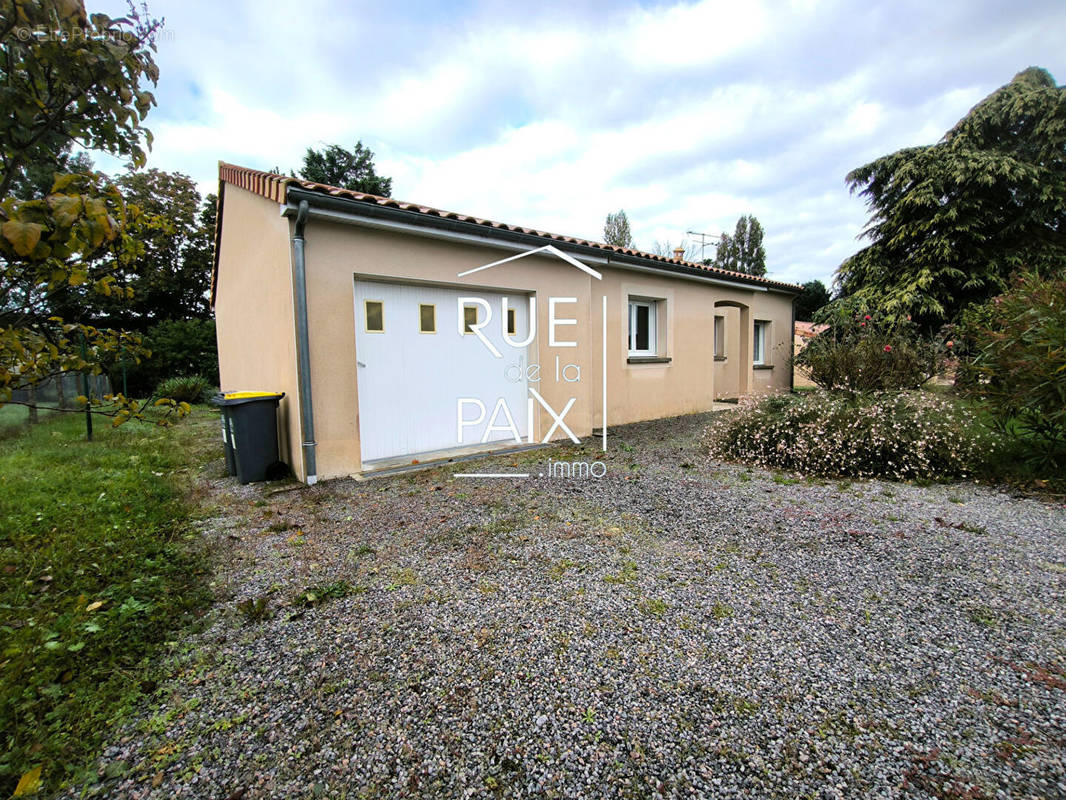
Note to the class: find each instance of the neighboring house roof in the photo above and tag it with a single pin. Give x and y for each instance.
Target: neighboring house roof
(808, 330)
(275, 187)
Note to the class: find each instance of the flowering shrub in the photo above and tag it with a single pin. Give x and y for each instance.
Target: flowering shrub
(1016, 364)
(862, 352)
(898, 436)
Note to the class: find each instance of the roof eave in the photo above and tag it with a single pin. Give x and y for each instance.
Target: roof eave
(419, 219)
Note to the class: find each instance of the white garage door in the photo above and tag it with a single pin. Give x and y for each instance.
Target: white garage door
(414, 366)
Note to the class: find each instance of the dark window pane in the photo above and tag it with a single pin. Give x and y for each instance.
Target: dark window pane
(375, 316)
(642, 327)
(427, 318)
(469, 318)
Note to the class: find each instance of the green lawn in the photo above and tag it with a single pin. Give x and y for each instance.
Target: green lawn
(99, 567)
(13, 418)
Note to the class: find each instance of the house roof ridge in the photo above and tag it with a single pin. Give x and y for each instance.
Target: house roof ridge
(275, 187)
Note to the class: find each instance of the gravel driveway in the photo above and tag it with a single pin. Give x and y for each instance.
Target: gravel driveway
(676, 628)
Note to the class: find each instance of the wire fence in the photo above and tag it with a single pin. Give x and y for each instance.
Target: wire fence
(58, 393)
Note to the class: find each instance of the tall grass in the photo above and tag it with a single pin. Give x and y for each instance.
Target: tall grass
(97, 569)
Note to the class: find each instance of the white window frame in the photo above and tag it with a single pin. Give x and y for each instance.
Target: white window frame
(653, 321)
(719, 336)
(759, 335)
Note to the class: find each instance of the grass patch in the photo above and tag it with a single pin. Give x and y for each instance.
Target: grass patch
(983, 615)
(13, 418)
(653, 607)
(97, 572)
(721, 611)
(626, 574)
(402, 577)
(321, 593)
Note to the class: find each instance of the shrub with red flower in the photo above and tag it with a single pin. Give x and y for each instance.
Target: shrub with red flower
(850, 356)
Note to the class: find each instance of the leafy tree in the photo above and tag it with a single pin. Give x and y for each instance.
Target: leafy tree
(173, 276)
(170, 276)
(616, 230)
(83, 87)
(725, 256)
(35, 180)
(813, 297)
(80, 82)
(348, 169)
(743, 251)
(950, 222)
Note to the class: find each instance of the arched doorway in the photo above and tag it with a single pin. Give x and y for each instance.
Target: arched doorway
(732, 349)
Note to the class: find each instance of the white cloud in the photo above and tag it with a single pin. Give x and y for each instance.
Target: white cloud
(685, 115)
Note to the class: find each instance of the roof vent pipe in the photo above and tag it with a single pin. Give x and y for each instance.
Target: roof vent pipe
(303, 348)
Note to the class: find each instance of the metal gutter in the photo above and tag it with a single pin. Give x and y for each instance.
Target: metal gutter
(303, 347)
(341, 209)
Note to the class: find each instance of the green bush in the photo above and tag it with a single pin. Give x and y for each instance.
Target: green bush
(185, 389)
(864, 352)
(899, 436)
(1016, 365)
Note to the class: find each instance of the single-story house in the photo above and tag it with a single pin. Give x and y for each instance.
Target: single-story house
(401, 333)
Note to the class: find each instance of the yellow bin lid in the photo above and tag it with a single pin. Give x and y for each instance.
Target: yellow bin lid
(244, 395)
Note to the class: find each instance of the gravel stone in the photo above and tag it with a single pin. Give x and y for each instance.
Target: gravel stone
(678, 628)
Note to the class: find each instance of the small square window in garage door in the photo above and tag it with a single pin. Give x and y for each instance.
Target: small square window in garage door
(427, 318)
(469, 318)
(374, 316)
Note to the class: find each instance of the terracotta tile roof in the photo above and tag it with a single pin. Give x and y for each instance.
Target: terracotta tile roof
(808, 330)
(274, 187)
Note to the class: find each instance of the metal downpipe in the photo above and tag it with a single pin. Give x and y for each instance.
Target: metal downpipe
(303, 348)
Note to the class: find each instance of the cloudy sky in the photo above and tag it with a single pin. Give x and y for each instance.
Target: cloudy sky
(553, 114)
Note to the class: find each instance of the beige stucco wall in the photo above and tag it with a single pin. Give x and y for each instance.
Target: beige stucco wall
(774, 375)
(254, 312)
(686, 384)
(258, 302)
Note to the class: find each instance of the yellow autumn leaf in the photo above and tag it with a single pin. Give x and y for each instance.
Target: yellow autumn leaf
(94, 605)
(30, 783)
(65, 208)
(23, 236)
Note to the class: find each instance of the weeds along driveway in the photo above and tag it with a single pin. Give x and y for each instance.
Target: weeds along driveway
(678, 627)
